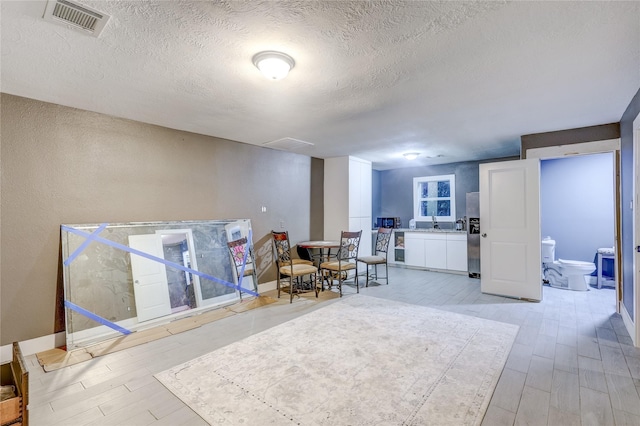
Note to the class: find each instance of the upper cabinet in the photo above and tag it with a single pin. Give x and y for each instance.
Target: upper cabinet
(359, 188)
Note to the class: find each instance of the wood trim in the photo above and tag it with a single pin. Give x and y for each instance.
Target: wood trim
(570, 136)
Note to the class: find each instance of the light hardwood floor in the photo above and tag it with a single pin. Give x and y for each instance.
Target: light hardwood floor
(572, 362)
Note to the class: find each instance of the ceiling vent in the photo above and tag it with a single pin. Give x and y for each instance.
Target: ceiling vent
(76, 16)
(287, 144)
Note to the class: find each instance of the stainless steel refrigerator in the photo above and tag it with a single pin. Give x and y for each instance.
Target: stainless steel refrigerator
(473, 234)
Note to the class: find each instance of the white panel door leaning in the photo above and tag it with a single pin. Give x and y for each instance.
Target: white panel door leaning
(510, 229)
(150, 285)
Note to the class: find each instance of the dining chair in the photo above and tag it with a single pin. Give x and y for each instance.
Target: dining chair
(346, 261)
(237, 249)
(290, 269)
(379, 256)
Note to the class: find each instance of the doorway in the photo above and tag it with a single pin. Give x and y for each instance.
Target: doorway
(184, 287)
(577, 206)
(521, 286)
(180, 283)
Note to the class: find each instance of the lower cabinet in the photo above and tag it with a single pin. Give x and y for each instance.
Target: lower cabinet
(457, 252)
(414, 253)
(447, 251)
(435, 251)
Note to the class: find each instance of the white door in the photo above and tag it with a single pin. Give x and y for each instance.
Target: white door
(510, 258)
(150, 285)
(632, 325)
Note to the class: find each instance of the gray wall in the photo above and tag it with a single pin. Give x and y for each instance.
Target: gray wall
(577, 204)
(626, 183)
(396, 189)
(62, 165)
(376, 203)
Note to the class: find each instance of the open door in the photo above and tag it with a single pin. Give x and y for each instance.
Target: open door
(150, 285)
(510, 256)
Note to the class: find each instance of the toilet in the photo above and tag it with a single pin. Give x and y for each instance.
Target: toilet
(566, 274)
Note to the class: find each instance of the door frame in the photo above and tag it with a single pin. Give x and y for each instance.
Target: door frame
(192, 258)
(635, 226)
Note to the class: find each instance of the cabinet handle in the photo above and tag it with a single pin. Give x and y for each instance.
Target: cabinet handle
(484, 235)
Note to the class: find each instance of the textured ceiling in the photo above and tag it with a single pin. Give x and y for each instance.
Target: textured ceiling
(454, 81)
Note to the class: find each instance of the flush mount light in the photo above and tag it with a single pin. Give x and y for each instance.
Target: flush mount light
(274, 65)
(410, 155)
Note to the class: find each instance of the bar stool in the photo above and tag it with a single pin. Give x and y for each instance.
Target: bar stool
(605, 253)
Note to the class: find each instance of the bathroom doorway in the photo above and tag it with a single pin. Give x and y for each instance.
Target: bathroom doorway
(580, 205)
(577, 212)
(184, 287)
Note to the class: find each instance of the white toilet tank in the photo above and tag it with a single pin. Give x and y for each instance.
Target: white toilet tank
(548, 250)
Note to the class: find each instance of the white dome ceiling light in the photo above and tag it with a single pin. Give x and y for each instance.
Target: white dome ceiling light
(274, 65)
(410, 155)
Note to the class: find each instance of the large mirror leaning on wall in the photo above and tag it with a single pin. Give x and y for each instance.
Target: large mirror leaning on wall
(124, 277)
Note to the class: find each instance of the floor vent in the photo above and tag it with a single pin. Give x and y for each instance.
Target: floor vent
(76, 16)
(287, 144)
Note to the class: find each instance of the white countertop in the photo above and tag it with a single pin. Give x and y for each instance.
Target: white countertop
(441, 231)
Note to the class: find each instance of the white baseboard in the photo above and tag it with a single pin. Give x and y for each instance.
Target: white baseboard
(32, 346)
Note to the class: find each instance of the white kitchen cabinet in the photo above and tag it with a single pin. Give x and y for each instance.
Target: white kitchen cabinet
(457, 252)
(414, 254)
(436, 250)
(347, 199)
(357, 224)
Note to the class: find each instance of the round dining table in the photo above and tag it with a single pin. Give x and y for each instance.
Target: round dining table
(320, 245)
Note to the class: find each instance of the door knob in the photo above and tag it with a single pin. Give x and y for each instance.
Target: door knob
(484, 235)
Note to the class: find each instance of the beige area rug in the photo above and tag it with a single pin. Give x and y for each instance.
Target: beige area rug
(358, 361)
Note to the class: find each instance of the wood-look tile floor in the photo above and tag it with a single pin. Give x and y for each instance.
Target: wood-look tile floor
(572, 363)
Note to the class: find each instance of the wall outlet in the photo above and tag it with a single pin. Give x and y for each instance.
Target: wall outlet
(282, 224)
(263, 209)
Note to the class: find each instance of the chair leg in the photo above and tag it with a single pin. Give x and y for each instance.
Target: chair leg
(356, 281)
(291, 289)
(278, 284)
(386, 266)
(367, 271)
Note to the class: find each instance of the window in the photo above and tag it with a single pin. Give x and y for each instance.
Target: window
(434, 196)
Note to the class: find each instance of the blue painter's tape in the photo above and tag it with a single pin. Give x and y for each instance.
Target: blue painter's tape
(96, 318)
(157, 259)
(84, 245)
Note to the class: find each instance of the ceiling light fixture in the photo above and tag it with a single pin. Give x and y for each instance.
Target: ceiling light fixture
(274, 65)
(410, 155)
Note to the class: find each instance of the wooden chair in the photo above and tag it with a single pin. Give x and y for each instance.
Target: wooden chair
(237, 249)
(345, 261)
(290, 269)
(379, 256)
